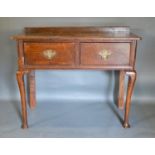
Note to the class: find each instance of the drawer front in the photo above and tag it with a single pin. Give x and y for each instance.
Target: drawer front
(105, 54)
(49, 53)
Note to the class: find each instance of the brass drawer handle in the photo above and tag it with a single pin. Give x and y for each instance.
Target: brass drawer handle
(49, 54)
(105, 54)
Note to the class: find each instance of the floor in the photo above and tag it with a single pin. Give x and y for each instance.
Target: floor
(76, 119)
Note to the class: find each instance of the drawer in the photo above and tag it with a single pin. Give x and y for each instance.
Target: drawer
(105, 54)
(49, 53)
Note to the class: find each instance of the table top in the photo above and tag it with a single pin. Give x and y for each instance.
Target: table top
(73, 33)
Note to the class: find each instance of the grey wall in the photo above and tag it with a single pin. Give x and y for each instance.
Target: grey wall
(95, 85)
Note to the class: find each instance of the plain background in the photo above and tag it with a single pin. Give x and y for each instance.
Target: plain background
(77, 86)
(97, 82)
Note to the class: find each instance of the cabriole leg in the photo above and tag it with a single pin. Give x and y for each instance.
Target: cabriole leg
(131, 82)
(20, 80)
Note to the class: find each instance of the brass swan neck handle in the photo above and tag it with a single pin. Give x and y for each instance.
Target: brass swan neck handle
(105, 54)
(49, 54)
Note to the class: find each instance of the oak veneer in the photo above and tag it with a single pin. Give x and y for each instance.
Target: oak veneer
(99, 48)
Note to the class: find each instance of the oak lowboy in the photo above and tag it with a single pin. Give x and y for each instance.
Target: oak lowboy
(104, 48)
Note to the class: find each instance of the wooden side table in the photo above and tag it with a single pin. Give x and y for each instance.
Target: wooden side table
(99, 48)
